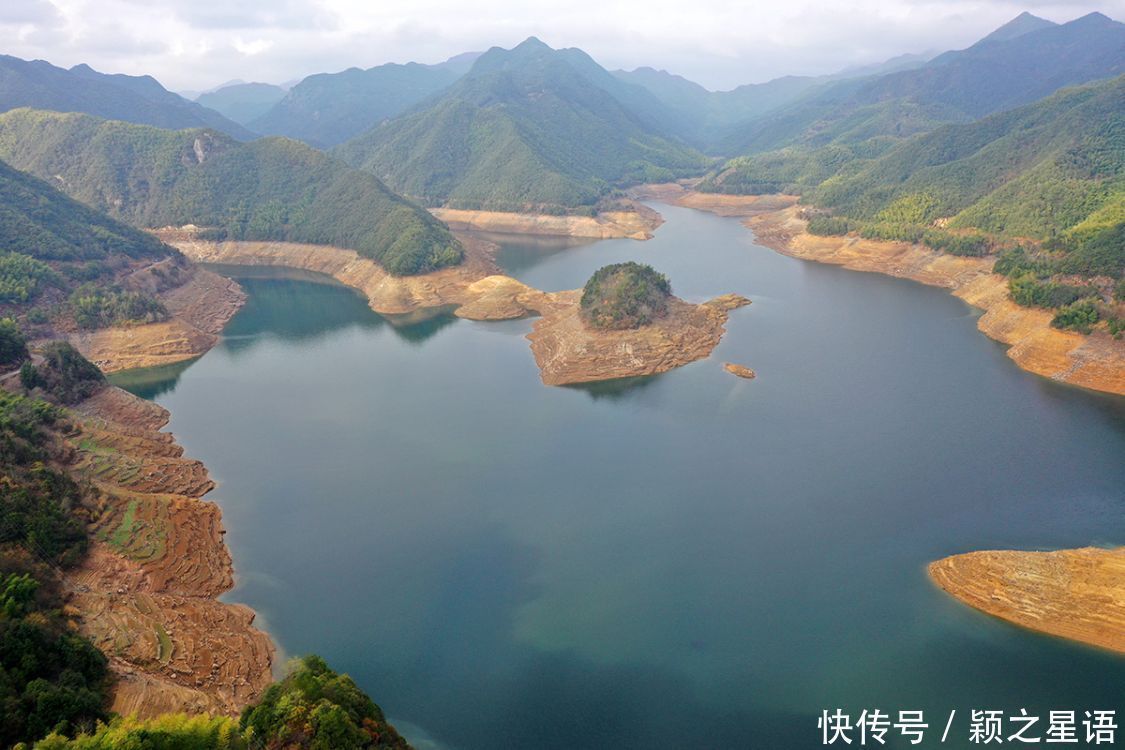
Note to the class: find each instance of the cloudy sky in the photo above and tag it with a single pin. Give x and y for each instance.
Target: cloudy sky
(197, 44)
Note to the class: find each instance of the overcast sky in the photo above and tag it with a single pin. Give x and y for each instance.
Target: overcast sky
(198, 44)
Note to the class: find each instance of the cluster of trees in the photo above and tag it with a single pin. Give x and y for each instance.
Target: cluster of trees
(312, 707)
(50, 677)
(624, 295)
(64, 374)
(269, 189)
(93, 306)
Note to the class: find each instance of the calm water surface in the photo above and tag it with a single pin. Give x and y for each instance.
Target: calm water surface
(687, 561)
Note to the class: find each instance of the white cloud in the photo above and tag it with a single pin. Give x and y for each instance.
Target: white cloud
(194, 44)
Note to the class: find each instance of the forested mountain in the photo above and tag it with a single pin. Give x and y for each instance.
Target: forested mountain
(329, 108)
(1004, 72)
(269, 189)
(61, 258)
(529, 128)
(1045, 183)
(1055, 166)
(243, 102)
(710, 116)
(139, 99)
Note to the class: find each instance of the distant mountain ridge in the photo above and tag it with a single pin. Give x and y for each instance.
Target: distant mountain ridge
(327, 109)
(960, 86)
(242, 102)
(530, 128)
(139, 99)
(268, 189)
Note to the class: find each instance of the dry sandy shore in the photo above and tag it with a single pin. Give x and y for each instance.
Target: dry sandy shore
(1077, 594)
(564, 349)
(637, 224)
(1096, 361)
(147, 593)
(199, 309)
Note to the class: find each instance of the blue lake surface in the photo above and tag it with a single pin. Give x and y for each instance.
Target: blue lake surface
(685, 561)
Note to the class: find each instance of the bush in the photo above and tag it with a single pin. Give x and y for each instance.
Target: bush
(13, 346)
(65, 374)
(98, 307)
(1081, 317)
(828, 226)
(1028, 291)
(313, 707)
(624, 295)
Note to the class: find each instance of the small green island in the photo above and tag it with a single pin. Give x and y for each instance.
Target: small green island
(622, 296)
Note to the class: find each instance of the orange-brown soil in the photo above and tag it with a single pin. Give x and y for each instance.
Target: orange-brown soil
(567, 351)
(198, 310)
(638, 223)
(564, 349)
(475, 286)
(741, 371)
(1077, 594)
(1095, 361)
(147, 592)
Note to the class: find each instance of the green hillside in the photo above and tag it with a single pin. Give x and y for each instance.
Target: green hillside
(64, 263)
(525, 129)
(269, 189)
(1024, 62)
(329, 108)
(1043, 184)
(139, 99)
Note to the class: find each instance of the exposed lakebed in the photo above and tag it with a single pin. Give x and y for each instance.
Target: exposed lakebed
(689, 560)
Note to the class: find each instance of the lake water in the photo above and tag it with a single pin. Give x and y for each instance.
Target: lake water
(685, 561)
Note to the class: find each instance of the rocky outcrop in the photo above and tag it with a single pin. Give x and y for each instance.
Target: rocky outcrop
(739, 370)
(147, 591)
(638, 223)
(568, 351)
(1077, 594)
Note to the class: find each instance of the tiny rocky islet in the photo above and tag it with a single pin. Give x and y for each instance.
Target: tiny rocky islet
(568, 350)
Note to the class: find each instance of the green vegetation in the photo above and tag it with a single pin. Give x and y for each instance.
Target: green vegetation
(63, 260)
(49, 676)
(64, 374)
(167, 732)
(137, 99)
(624, 295)
(866, 115)
(1079, 316)
(312, 708)
(329, 108)
(95, 307)
(270, 189)
(527, 129)
(54, 684)
(13, 345)
(1043, 184)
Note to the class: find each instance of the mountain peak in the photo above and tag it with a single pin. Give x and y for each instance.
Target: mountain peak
(532, 43)
(1095, 18)
(1024, 23)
